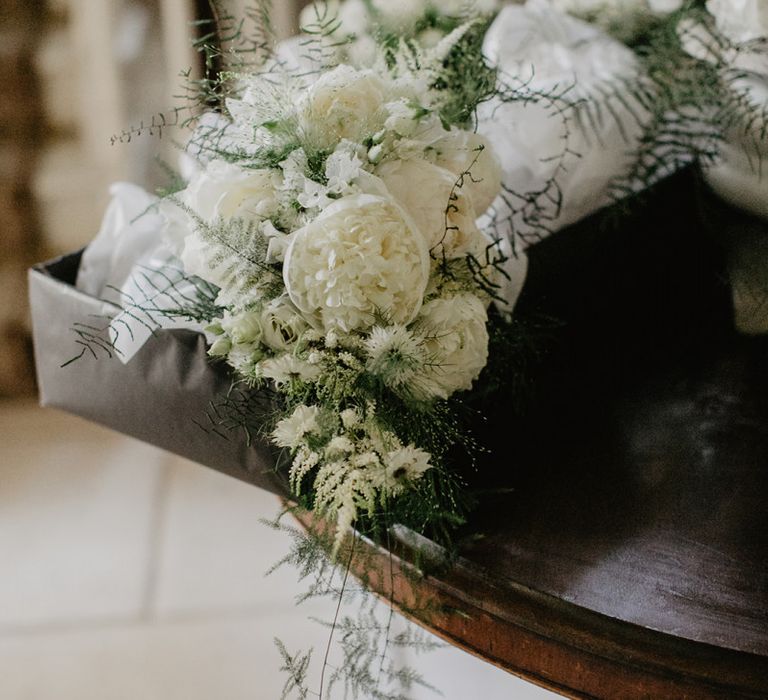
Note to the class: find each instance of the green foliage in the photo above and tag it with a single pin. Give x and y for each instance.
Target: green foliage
(686, 106)
(365, 640)
(163, 293)
(239, 255)
(295, 667)
(466, 79)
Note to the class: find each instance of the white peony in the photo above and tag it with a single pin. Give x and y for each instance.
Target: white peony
(344, 103)
(281, 324)
(290, 431)
(456, 339)
(360, 258)
(441, 209)
(461, 151)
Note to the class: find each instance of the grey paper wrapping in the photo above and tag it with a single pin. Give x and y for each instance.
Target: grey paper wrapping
(161, 396)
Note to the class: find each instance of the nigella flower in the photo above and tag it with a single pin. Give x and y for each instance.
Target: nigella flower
(394, 355)
(406, 464)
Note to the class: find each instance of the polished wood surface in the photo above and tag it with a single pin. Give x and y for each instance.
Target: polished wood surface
(620, 545)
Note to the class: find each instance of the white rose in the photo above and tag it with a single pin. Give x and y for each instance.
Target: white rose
(460, 151)
(456, 339)
(281, 324)
(243, 328)
(431, 195)
(344, 103)
(220, 191)
(359, 258)
(224, 190)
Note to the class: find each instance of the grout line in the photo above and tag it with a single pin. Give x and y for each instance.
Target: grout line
(253, 613)
(157, 525)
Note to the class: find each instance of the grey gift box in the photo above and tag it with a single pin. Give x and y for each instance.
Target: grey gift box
(162, 396)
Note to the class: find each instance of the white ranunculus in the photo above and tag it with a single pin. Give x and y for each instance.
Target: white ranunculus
(461, 151)
(281, 324)
(359, 258)
(431, 195)
(740, 20)
(456, 339)
(344, 103)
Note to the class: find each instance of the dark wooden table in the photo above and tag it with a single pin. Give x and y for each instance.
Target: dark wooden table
(625, 551)
(631, 562)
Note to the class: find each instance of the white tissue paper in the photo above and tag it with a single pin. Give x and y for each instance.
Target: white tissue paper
(126, 265)
(542, 49)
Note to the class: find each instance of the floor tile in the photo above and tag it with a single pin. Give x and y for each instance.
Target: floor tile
(77, 506)
(228, 658)
(215, 549)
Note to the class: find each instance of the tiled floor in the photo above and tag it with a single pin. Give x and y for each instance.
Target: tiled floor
(130, 574)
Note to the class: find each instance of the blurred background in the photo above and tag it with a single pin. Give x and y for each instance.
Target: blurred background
(128, 573)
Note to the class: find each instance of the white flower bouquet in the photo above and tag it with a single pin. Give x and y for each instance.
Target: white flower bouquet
(334, 285)
(352, 238)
